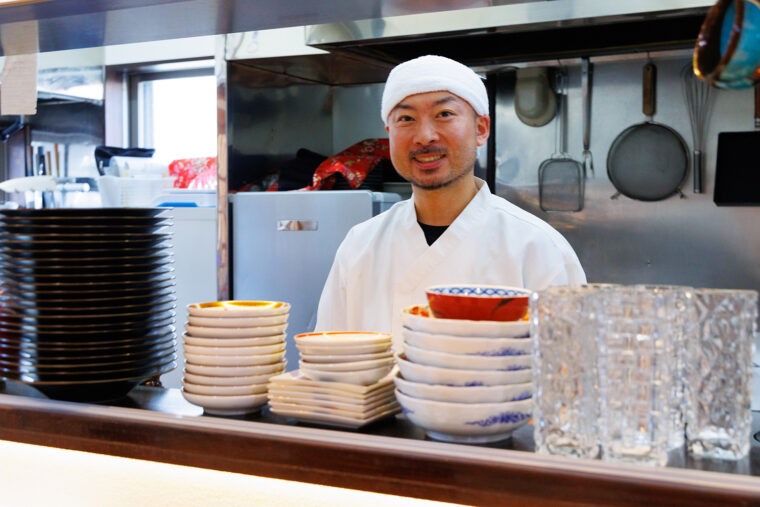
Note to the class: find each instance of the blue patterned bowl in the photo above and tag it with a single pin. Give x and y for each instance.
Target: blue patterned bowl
(478, 302)
(466, 422)
(727, 54)
(466, 361)
(464, 394)
(468, 345)
(448, 376)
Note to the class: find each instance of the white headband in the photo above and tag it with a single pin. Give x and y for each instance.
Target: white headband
(433, 74)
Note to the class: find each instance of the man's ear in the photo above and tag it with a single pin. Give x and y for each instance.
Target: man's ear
(482, 129)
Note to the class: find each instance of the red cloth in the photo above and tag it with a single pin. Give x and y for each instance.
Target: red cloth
(354, 163)
(197, 173)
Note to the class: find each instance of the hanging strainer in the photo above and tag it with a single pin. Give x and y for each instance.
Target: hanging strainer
(560, 178)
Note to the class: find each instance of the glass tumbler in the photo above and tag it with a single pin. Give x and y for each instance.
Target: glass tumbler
(635, 375)
(680, 302)
(718, 374)
(565, 395)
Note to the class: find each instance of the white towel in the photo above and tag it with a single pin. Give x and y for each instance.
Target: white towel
(432, 73)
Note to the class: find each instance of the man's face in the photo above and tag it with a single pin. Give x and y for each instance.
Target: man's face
(434, 137)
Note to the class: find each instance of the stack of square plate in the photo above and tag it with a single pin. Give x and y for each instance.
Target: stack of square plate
(332, 403)
(87, 300)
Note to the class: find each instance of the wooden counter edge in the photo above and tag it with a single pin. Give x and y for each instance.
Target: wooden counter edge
(398, 470)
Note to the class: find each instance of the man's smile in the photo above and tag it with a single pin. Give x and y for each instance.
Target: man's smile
(429, 158)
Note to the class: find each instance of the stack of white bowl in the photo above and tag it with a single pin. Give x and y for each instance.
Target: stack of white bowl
(464, 380)
(232, 348)
(345, 378)
(350, 357)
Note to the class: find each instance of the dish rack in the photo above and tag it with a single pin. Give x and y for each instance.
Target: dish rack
(117, 192)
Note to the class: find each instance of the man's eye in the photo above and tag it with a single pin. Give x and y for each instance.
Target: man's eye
(404, 118)
(445, 114)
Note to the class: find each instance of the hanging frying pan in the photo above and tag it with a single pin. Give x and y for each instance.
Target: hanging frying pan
(648, 161)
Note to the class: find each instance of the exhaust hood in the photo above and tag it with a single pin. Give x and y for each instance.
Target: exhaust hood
(527, 30)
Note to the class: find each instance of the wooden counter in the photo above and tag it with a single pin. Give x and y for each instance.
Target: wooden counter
(387, 457)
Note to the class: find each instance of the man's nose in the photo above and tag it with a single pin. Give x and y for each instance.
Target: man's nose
(426, 133)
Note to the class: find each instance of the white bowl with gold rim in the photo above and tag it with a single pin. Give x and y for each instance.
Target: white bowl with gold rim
(339, 339)
(349, 366)
(362, 377)
(234, 371)
(234, 332)
(333, 350)
(237, 321)
(238, 309)
(227, 405)
(252, 360)
(240, 390)
(344, 358)
(209, 380)
(234, 351)
(256, 341)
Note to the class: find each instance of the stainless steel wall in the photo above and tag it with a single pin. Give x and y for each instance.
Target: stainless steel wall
(680, 241)
(356, 114)
(269, 119)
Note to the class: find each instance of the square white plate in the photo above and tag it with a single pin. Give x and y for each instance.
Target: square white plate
(330, 418)
(356, 409)
(297, 378)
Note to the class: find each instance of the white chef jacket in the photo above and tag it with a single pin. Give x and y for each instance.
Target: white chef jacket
(385, 264)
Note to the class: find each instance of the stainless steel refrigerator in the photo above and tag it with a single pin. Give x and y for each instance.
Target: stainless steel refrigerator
(283, 245)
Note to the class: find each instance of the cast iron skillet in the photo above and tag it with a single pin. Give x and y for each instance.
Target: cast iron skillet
(648, 161)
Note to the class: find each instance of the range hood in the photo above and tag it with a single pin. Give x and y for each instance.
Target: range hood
(519, 31)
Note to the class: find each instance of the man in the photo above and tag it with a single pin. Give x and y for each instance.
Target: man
(453, 230)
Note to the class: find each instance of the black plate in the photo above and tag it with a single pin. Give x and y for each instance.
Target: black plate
(98, 253)
(56, 235)
(84, 372)
(87, 269)
(160, 255)
(77, 298)
(32, 350)
(84, 311)
(86, 212)
(32, 300)
(112, 222)
(32, 248)
(96, 390)
(75, 323)
(91, 339)
(86, 228)
(117, 360)
(10, 286)
(66, 277)
(90, 291)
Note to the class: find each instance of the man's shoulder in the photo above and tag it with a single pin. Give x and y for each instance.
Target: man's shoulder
(371, 227)
(506, 210)
(516, 217)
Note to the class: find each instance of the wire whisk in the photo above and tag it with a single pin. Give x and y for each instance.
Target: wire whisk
(699, 101)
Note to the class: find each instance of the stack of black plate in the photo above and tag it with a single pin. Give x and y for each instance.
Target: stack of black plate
(87, 303)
